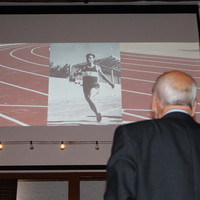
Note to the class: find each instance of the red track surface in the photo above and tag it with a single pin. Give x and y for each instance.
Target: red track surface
(139, 71)
(24, 83)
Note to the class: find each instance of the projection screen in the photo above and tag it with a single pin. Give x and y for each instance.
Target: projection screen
(44, 56)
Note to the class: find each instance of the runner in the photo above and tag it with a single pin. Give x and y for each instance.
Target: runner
(91, 86)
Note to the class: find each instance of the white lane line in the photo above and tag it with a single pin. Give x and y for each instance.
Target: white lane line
(133, 109)
(13, 120)
(135, 79)
(8, 46)
(128, 122)
(19, 70)
(155, 61)
(32, 51)
(23, 88)
(133, 115)
(149, 72)
(142, 93)
(11, 54)
(161, 62)
(142, 80)
(141, 71)
(161, 57)
(190, 70)
(26, 106)
(136, 92)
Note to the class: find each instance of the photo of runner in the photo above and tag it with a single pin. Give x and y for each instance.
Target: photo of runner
(86, 91)
(91, 82)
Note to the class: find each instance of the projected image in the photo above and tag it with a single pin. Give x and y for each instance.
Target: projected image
(57, 84)
(84, 84)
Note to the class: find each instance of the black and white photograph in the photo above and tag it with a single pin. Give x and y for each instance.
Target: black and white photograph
(84, 84)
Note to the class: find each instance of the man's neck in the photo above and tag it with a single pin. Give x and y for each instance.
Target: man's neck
(90, 65)
(175, 110)
(172, 108)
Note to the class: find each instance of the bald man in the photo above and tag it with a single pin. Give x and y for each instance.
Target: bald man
(159, 159)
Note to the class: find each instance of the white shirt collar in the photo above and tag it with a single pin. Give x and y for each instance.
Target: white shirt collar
(176, 110)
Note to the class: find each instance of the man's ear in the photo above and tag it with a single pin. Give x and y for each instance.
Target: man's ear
(154, 106)
(154, 103)
(194, 108)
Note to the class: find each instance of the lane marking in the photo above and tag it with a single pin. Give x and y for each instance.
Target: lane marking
(161, 57)
(155, 61)
(32, 73)
(136, 92)
(32, 51)
(10, 47)
(135, 79)
(26, 106)
(11, 54)
(190, 70)
(149, 72)
(142, 80)
(30, 90)
(133, 115)
(13, 120)
(135, 70)
(136, 109)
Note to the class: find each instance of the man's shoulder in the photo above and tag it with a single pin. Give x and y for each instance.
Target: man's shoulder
(140, 123)
(144, 126)
(156, 125)
(139, 126)
(137, 131)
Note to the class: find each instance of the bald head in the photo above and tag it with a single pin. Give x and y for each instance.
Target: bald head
(175, 88)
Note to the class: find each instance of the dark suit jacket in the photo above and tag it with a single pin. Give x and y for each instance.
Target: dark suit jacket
(155, 160)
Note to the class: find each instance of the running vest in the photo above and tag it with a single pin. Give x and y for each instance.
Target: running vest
(90, 74)
(90, 71)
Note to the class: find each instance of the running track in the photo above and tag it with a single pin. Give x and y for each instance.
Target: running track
(24, 83)
(139, 71)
